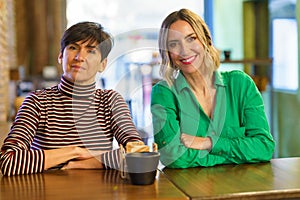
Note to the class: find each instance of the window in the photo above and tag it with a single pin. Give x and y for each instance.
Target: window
(285, 54)
(135, 26)
(121, 16)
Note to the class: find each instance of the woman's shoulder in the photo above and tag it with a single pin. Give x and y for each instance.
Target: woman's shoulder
(44, 92)
(161, 83)
(236, 76)
(39, 97)
(107, 92)
(162, 88)
(109, 95)
(234, 73)
(239, 81)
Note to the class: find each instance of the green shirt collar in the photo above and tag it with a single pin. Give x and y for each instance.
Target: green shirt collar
(219, 81)
(181, 83)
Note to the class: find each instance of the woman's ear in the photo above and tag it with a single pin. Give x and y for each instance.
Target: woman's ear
(102, 65)
(59, 59)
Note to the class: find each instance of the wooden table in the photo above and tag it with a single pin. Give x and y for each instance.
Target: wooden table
(278, 179)
(83, 184)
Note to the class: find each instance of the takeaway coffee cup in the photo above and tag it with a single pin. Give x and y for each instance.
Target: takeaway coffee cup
(142, 166)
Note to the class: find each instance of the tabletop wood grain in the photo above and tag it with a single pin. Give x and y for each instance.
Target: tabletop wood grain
(83, 184)
(278, 179)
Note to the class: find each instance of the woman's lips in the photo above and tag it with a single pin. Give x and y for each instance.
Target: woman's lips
(188, 61)
(77, 67)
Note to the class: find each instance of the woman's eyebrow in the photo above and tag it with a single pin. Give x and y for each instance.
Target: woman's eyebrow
(189, 35)
(91, 46)
(174, 40)
(74, 43)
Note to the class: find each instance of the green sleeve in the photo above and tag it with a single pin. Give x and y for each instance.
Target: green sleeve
(165, 110)
(252, 141)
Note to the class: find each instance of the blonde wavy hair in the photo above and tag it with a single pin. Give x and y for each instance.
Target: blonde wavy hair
(211, 57)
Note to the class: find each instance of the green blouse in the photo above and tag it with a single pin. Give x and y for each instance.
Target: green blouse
(238, 128)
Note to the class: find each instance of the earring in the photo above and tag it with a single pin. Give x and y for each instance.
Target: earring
(176, 73)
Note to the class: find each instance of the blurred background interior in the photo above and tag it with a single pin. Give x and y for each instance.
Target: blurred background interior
(259, 37)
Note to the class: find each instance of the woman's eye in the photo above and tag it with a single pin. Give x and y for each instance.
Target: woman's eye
(72, 47)
(172, 45)
(93, 51)
(191, 39)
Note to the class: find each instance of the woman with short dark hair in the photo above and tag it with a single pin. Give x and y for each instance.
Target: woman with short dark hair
(72, 124)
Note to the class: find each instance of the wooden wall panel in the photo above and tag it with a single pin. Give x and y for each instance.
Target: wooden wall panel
(6, 58)
(256, 33)
(40, 24)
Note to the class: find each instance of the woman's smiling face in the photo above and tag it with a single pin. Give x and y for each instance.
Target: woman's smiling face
(185, 49)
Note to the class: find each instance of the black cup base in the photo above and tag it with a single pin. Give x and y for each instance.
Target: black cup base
(146, 178)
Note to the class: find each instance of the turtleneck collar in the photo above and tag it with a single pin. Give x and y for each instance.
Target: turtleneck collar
(74, 90)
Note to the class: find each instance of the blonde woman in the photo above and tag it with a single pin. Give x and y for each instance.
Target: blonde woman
(202, 117)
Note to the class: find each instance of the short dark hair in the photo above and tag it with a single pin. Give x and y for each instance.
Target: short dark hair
(88, 31)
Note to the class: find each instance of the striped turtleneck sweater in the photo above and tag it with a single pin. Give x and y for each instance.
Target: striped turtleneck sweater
(63, 115)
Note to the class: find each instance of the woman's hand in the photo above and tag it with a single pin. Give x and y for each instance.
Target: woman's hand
(194, 142)
(90, 163)
(55, 157)
(83, 153)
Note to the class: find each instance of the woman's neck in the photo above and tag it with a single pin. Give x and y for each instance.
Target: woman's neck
(198, 81)
(204, 91)
(74, 90)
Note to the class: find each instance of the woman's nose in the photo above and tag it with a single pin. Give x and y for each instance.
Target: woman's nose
(79, 56)
(183, 49)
